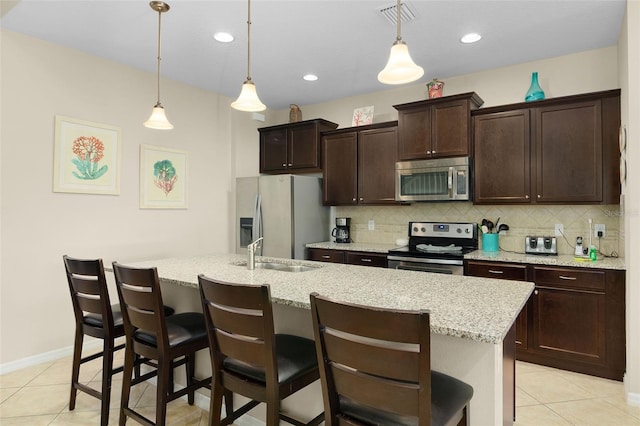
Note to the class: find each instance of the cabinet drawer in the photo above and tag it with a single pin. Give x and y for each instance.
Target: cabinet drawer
(326, 255)
(569, 278)
(367, 259)
(497, 270)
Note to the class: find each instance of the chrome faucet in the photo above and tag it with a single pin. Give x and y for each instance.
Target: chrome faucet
(251, 253)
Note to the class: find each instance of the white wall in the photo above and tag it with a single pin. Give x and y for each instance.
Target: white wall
(41, 80)
(629, 71)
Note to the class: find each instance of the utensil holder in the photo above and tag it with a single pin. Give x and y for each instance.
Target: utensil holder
(490, 242)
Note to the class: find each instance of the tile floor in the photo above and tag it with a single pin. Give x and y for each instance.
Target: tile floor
(39, 395)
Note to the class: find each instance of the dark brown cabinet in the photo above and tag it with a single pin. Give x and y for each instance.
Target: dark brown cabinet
(350, 257)
(293, 147)
(359, 165)
(557, 151)
(505, 271)
(436, 128)
(574, 319)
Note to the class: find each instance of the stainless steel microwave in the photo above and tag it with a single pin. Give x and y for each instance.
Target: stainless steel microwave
(443, 179)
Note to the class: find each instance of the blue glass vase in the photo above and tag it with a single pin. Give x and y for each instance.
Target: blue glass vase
(535, 92)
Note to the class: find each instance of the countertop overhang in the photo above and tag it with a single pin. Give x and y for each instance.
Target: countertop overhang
(480, 309)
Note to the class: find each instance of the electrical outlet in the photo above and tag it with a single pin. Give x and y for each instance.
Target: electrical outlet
(559, 230)
(599, 228)
(372, 225)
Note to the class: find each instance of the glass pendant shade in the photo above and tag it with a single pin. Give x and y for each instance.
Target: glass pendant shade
(248, 99)
(400, 68)
(158, 120)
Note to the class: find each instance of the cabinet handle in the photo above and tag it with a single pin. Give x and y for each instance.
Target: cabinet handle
(326, 256)
(354, 199)
(539, 196)
(290, 164)
(433, 152)
(365, 260)
(526, 196)
(284, 164)
(493, 271)
(361, 199)
(535, 292)
(428, 152)
(564, 277)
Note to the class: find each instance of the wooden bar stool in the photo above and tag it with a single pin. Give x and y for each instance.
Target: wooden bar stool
(170, 341)
(95, 317)
(247, 356)
(375, 368)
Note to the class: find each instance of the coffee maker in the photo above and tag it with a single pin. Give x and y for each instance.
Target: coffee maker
(341, 232)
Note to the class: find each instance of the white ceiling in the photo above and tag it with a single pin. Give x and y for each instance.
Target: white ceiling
(346, 43)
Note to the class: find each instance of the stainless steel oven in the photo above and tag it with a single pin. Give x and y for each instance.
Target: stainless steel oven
(437, 247)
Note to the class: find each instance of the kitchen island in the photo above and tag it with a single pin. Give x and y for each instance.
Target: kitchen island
(471, 318)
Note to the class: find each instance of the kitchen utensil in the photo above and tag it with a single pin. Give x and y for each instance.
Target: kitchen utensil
(490, 226)
(485, 229)
(503, 227)
(496, 224)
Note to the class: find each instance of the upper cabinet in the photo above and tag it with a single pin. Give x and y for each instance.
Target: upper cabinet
(557, 151)
(359, 165)
(293, 148)
(436, 128)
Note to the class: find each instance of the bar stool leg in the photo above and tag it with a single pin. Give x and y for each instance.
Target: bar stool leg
(107, 367)
(75, 369)
(126, 383)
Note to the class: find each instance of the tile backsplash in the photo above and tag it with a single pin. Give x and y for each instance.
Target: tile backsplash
(390, 222)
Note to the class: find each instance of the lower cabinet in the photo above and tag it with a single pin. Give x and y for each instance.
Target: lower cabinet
(574, 319)
(349, 257)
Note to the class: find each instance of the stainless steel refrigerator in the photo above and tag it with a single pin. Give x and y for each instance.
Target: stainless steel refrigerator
(286, 210)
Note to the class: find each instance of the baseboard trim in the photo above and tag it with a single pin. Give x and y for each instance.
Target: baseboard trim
(30, 361)
(633, 399)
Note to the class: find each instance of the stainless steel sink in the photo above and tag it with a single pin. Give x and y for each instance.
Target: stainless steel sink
(285, 267)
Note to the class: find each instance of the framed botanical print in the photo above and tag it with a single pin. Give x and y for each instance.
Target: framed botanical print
(163, 178)
(86, 157)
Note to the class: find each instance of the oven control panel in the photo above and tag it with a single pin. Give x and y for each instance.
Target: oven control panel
(442, 229)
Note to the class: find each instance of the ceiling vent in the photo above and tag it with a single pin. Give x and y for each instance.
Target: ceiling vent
(390, 13)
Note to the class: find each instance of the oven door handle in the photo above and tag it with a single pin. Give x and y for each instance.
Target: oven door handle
(424, 269)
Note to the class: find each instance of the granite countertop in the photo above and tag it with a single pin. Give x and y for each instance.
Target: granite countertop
(367, 247)
(480, 309)
(501, 256)
(559, 260)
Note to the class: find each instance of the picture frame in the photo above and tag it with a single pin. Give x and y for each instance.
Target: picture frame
(362, 116)
(86, 157)
(163, 178)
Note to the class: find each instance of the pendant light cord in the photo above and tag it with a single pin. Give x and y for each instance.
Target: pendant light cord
(398, 19)
(159, 32)
(248, 40)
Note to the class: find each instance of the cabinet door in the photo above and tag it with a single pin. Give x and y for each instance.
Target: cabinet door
(502, 159)
(569, 153)
(340, 162)
(273, 150)
(450, 132)
(377, 156)
(414, 136)
(569, 324)
(304, 147)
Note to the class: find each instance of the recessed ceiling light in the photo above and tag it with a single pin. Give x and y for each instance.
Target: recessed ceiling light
(223, 37)
(310, 77)
(470, 38)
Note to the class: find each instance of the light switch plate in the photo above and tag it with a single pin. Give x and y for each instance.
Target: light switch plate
(372, 225)
(559, 229)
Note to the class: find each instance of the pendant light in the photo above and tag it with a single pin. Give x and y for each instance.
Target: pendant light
(158, 120)
(248, 99)
(400, 68)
